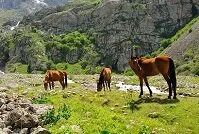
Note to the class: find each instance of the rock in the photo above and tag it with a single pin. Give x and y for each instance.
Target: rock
(112, 108)
(14, 116)
(2, 124)
(39, 130)
(76, 129)
(27, 121)
(10, 106)
(154, 115)
(2, 101)
(24, 131)
(7, 131)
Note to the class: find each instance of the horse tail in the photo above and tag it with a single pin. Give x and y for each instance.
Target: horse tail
(65, 75)
(172, 73)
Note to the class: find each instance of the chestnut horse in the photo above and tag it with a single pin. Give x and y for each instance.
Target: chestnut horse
(104, 79)
(164, 65)
(55, 75)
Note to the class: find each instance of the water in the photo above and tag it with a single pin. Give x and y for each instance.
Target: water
(125, 87)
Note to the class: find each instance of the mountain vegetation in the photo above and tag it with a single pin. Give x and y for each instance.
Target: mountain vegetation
(72, 36)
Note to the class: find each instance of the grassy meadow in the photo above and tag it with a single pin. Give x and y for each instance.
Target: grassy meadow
(111, 112)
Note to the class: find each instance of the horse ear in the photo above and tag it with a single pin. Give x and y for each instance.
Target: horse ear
(132, 57)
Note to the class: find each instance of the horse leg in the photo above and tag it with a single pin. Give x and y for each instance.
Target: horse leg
(103, 85)
(49, 85)
(169, 85)
(109, 85)
(174, 92)
(147, 84)
(63, 84)
(106, 84)
(141, 87)
(53, 85)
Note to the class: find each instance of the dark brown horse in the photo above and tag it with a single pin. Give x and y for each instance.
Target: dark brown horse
(164, 65)
(104, 79)
(55, 75)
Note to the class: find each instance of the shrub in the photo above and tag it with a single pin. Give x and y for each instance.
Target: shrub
(62, 66)
(129, 72)
(183, 68)
(17, 67)
(51, 117)
(165, 43)
(195, 69)
(144, 130)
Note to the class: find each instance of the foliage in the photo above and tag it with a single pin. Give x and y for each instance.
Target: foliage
(129, 72)
(144, 130)
(41, 100)
(17, 67)
(168, 41)
(51, 117)
(190, 63)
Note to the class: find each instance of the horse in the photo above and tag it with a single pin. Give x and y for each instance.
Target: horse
(55, 75)
(104, 79)
(144, 67)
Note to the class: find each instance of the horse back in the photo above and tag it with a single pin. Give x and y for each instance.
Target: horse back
(162, 63)
(55, 75)
(148, 66)
(107, 74)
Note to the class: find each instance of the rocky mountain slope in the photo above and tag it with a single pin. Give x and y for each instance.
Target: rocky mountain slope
(118, 27)
(185, 42)
(19, 8)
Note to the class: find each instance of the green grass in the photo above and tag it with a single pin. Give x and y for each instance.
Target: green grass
(118, 112)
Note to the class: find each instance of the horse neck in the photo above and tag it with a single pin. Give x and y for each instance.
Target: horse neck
(47, 76)
(101, 78)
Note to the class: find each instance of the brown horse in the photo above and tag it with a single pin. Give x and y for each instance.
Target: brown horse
(55, 75)
(104, 79)
(144, 67)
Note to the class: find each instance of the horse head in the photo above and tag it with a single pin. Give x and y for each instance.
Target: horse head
(134, 63)
(45, 85)
(99, 86)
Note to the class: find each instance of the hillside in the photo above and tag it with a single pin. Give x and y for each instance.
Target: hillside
(13, 11)
(187, 41)
(184, 49)
(93, 33)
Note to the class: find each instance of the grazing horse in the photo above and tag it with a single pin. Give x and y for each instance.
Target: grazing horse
(104, 79)
(144, 67)
(55, 75)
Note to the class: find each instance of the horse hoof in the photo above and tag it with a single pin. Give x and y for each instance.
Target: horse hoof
(174, 97)
(140, 96)
(169, 97)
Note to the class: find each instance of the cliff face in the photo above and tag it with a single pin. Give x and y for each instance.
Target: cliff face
(119, 25)
(24, 7)
(16, 4)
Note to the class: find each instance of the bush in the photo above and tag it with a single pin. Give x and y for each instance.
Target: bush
(165, 43)
(17, 67)
(144, 130)
(195, 69)
(183, 68)
(62, 66)
(129, 72)
(51, 117)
